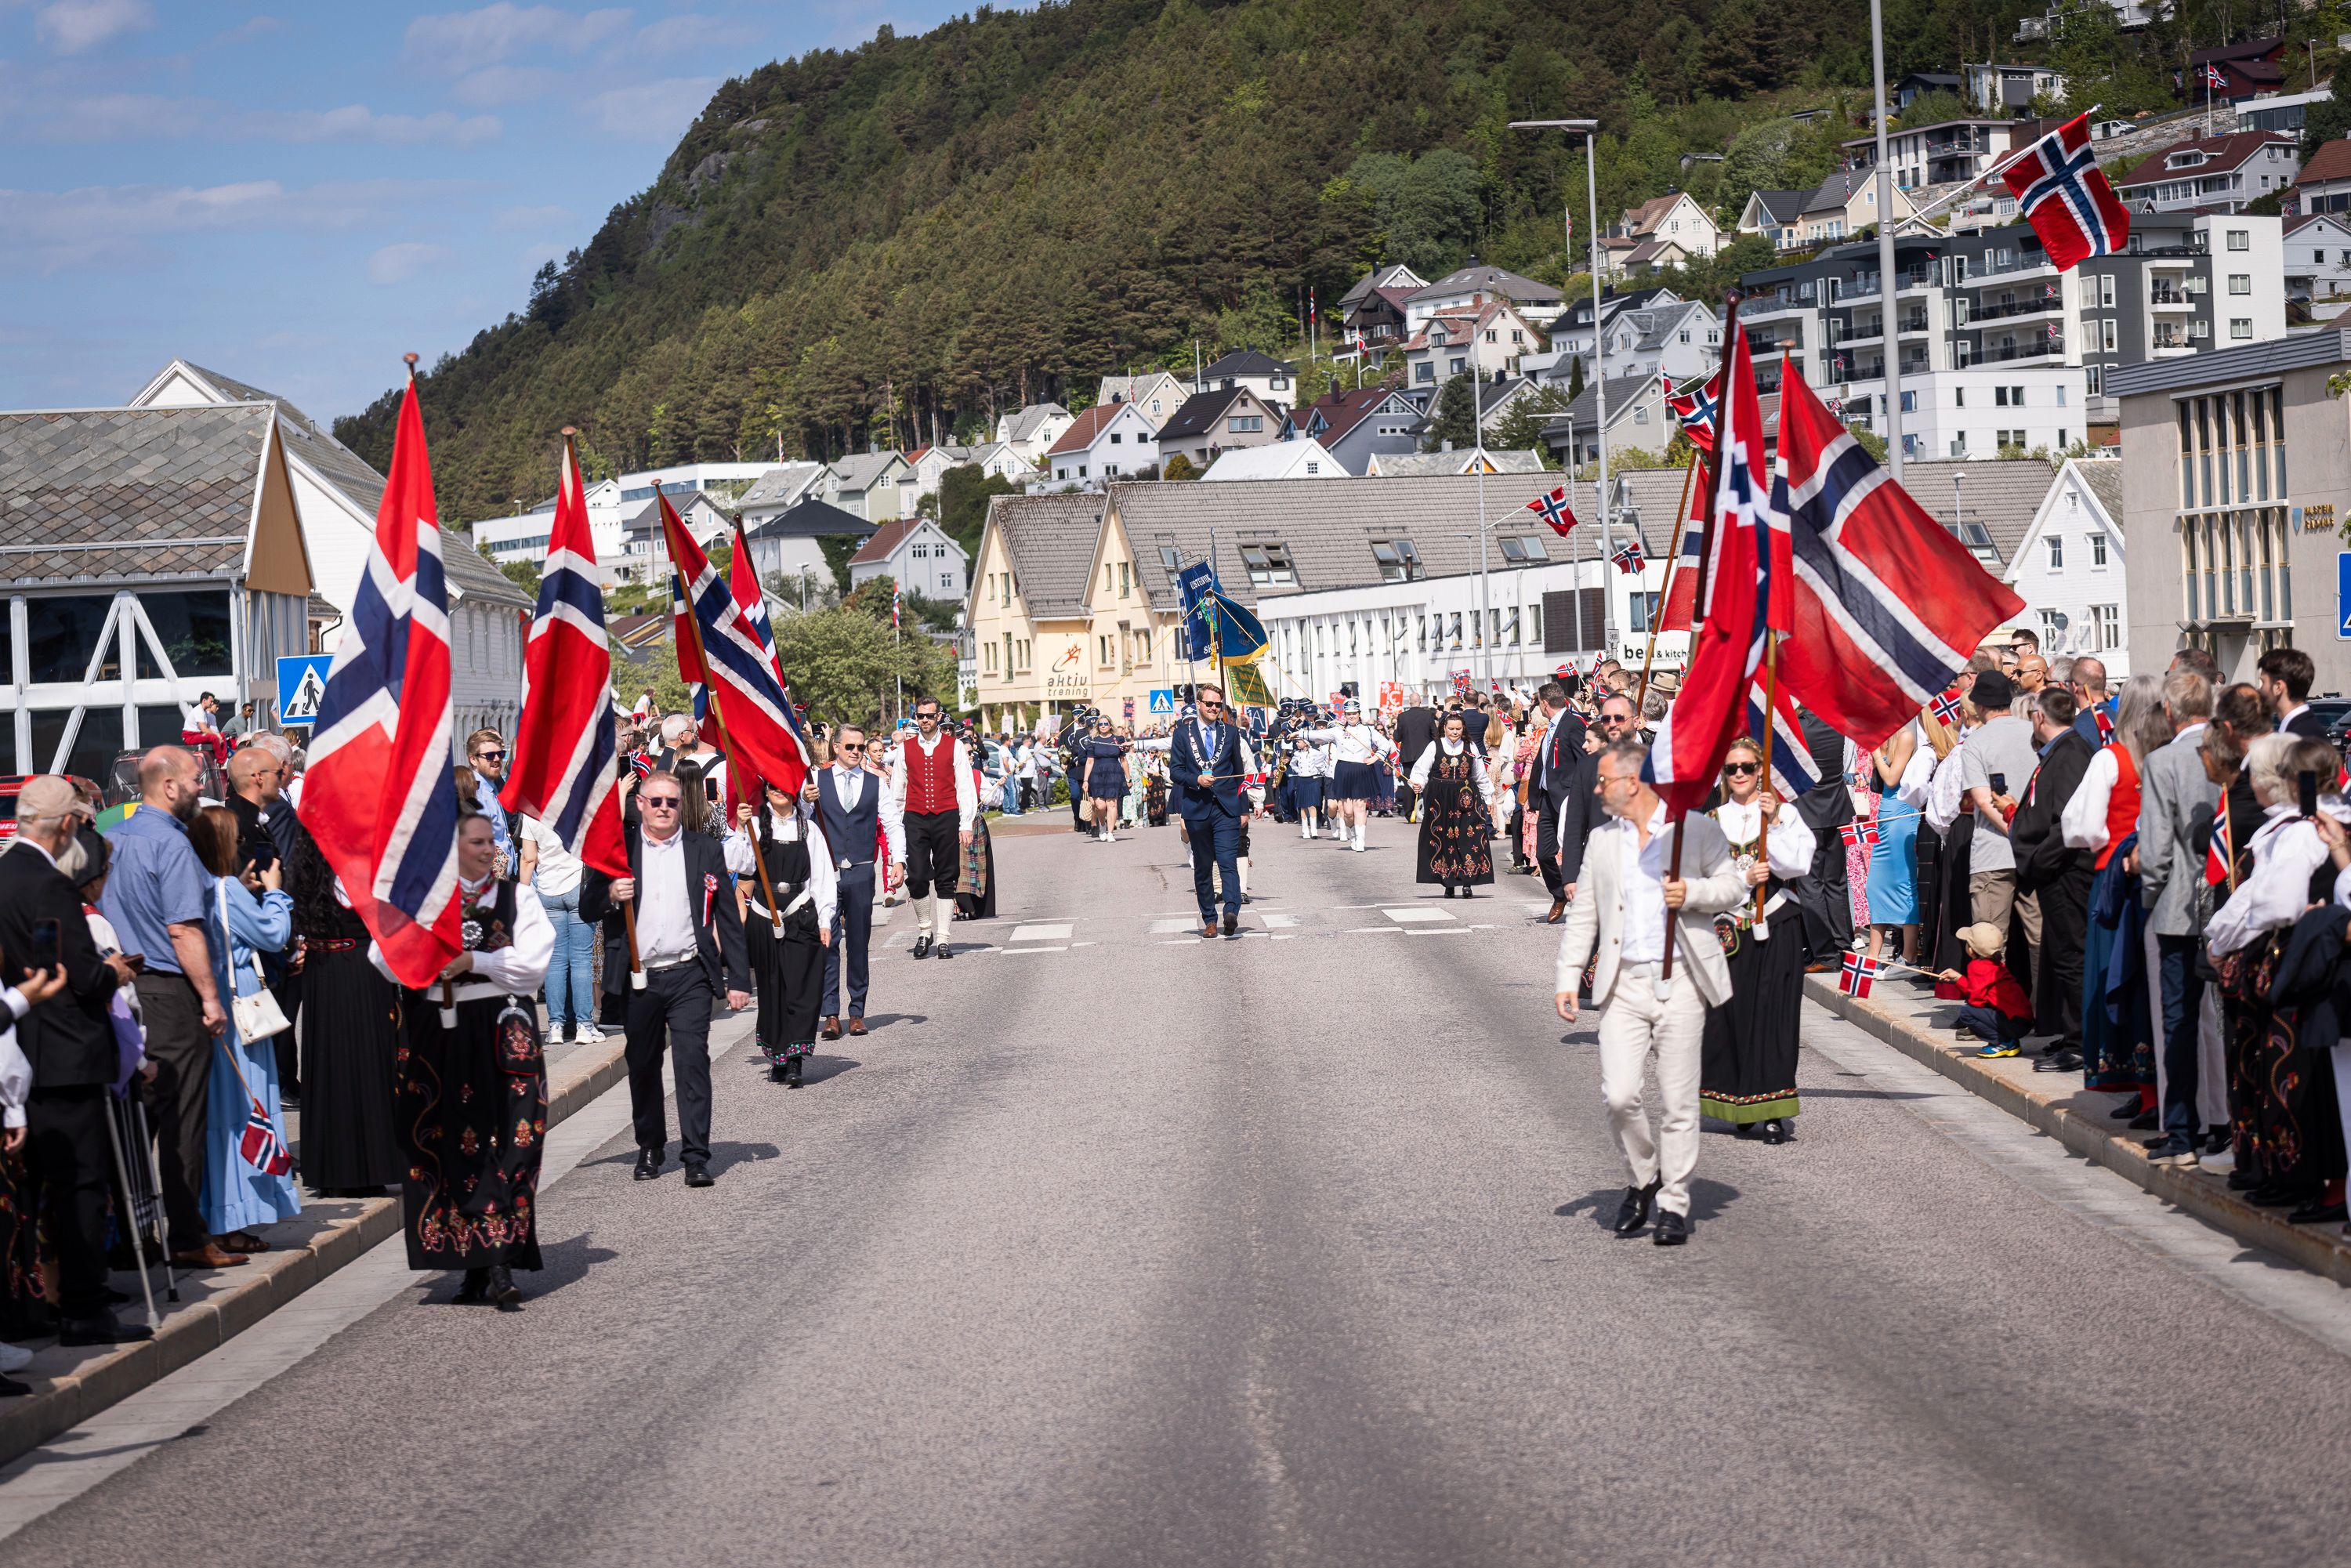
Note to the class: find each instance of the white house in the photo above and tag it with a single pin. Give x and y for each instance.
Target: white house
(865, 483)
(1001, 460)
(1300, 458)
(2069, 569)
(1480, 283)
(778, 491)
(335, 494)
(917, 555)
(1156, 393)
(1273, 382)
(2317, 255)
(1108, 441)
(645, 546)
(1031, 431)
(2223, 172)
(1666, 231)
(1485, 341)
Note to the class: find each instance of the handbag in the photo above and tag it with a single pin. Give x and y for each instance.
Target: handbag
(258, 1016)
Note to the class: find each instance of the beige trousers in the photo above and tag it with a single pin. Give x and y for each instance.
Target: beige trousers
(1636, 1029)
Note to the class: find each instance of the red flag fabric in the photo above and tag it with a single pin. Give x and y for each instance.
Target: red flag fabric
(755, 711)
(1675, 613)
(378, 797)
(1888, 605)
(564, 746)
(2067, 198)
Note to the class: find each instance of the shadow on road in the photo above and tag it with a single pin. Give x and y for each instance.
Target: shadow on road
(1708, 1199)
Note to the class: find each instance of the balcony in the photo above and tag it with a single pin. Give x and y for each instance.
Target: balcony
(1764, 304)
(2163, 297)
(2010, 309)
(2006, 353)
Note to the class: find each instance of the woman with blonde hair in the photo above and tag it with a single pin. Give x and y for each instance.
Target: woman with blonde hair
(1747, 1071)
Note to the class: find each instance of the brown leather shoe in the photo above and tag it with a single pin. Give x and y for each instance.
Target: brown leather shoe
(832, 1030)
(1209, 929)
(209, 1257)
(856, 1026)
(1558, 912)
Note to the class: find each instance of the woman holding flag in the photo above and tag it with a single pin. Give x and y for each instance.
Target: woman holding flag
(786, 940)
(1747, 1072)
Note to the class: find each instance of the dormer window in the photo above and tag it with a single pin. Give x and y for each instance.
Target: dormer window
(2187, 160)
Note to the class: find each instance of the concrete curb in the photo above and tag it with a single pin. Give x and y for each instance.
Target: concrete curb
(2012, 1085)
(226, 1303)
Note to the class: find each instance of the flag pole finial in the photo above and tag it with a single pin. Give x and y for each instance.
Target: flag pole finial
(569, 431)
(409, 358)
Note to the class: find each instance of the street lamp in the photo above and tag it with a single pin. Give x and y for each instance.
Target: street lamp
(1589, 128)
(1890, 332)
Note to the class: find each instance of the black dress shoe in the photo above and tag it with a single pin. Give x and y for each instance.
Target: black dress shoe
(2059, 1061)
(1448, 890)
(793, 1071)
(102, 1331)
(2269, 1194)
(1673, 1229)
(2145, 1122)
(2318, 1211)
(941, 952)
(502, 1291)
(2244, 1180)
(1232, 925)
(1775, 1131)
(12, 1389)
(1633, 1212)
(699, 1176)
(649, 1164)
(470, 1292)
(923, 946)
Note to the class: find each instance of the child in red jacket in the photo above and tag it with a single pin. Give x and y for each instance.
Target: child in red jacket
(1998, 1009)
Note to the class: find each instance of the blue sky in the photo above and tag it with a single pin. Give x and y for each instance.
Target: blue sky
(295, 193)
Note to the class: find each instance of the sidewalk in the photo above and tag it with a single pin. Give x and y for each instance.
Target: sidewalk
(1908, 1017)
(215, 1306)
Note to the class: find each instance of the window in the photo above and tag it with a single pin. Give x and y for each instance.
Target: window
(1456, 365)
(1170, 558)
(1268, 563)
(2011, 437)
(1424, 372)
(947, 580)
(2000, 397)
(2105, 627)
(2107, 335)
(1125, 579)
(2240, 283)
(2240, 239)
(1529, 548)
(60, 636)
(1399, 560)
(2097, 550)
(2056, 552)
(1959, 397)
(2240, 327)
(2106, 290)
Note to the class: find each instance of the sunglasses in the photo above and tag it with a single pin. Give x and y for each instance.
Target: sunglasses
(659, 802)
(1740, 769)
(490, 756)
(849, 746)
(1212, 703)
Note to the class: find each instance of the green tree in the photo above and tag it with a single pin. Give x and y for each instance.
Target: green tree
(1520, 428)
(964, 493)
(845, 666)
(2323, 121)
(1179, 467)
(1454, 422)
(1575, 379)
(1429, 208)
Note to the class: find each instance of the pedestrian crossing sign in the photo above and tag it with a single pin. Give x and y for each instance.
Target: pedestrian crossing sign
(1163, 702)
(2343, 595)
(301, 682)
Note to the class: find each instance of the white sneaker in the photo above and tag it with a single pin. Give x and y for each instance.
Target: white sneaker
(14, 1358)
(588, 1034)
(1361, 846)
(1110, 838)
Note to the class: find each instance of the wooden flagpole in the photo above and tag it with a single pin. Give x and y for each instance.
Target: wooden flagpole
(1771, 719)
(1673, 566)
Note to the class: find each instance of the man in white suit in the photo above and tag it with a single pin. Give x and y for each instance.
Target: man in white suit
(1621, 899)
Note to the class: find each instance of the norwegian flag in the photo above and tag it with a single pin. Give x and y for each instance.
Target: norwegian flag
(1859, 973)
(1681, 593)
(689, 661)
(2215, 80)
(754, 710)
(1860, 834)
(563, 747)
(893, 607)
(2067, 200)
(1628, 556)
(2216, 853)
(1887, 605)
(1696, 404)
(640, 763)
(1687, 757)
(379, 798)
(1946, 707)
(263, 1149)
(2106, 722)
(1553, 509)
(1792, 755)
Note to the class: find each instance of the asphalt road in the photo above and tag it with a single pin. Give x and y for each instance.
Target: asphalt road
(1114, 1246)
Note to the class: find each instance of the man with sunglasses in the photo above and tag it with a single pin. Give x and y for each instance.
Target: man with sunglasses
(856, 809)
(690, 948)
(487, 750)
(1208, 759)
(939, 803)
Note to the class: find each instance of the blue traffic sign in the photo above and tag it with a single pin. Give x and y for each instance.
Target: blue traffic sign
(1163, 702)
(2343, 595)
(301, 682)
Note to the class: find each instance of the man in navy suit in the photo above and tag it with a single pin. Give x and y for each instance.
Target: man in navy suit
(1208, 759)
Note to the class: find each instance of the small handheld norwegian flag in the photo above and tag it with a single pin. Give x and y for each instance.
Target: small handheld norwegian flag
(1859, 972)
(1945, 707)
(1862, 834)
(1628, 558)
(2105, 722)
(263, 1149)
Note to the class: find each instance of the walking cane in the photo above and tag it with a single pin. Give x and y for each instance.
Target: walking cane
(131, 1208)
(156, 1175)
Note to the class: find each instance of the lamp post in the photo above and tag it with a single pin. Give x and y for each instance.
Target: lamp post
(1888, 320)
(1590, 129)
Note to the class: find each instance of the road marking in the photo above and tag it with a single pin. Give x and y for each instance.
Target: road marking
(1374, 930)
(1060, 949)
(1443, 931)
(1415, 916)
(1054, 933)
(1170, 926)
(1293, 937)
(1278, 922)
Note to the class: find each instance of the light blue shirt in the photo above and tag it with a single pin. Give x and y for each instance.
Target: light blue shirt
(153, 882)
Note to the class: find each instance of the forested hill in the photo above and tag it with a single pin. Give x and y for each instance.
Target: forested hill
(937, 226)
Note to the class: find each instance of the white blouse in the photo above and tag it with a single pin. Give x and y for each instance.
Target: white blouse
(823, 882)
(1790, 845)
(2084, 820)
(1352, 742)
(1421, 770)
(518, 968)
(2286, 850)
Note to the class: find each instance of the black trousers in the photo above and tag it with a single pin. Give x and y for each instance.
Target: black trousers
(2064, 938)
(934, 852)
(66, 1150)
(671, 1012)
(182, 1050)
(1546, 841)
(852, 933)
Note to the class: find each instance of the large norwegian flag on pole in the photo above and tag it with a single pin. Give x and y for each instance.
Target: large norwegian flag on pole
(761, 732)
(378, 797)
(2066, 198)
(1735, 587)
(1888, 604)
(1681, 590)
(564, 745)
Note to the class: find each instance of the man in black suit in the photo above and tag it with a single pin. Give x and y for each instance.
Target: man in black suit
(1416, 732)
(1554, 785)
(689, 948)
(2285, 675)
(1825, 898)
(1207, 757)
(2059, 877)
(68, 1041)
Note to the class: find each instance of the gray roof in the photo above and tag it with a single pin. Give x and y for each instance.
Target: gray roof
(1246, 362)
(1200, 413)
(1833, 193)
(2217, 366)
(1499, 280)
(123, 493)
(2002, 494)
(1395, 274)
(780, 484)
(1583, 408)
(860, 470)
(2104, 475)
(466, 568)
(1426, 465)
(811, 518)
(1785, 206)
(1026, 423)
(1051, 539)
(646, 519)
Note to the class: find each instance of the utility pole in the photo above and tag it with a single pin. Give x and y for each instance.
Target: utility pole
(1889, 321)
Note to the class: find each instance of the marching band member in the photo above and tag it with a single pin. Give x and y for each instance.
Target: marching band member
(1356, 747)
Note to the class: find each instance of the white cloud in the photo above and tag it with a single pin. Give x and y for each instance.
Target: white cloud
(252, 27)
(146, 116)
(396, 264)
(676, 35)
(355, 122)
(533, 217)
(69, 27)
(459, 41)
(654, 110)
(497, 87)
(113, 223)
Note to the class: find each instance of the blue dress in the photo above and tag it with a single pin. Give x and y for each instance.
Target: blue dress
(1108, 779)
(1893, 886)
(237, 1196)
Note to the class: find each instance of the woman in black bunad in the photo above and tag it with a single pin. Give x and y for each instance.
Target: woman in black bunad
(350, 1038)
(470, 1103)
(1747, 1071)
(1457, 813)
(787, 963)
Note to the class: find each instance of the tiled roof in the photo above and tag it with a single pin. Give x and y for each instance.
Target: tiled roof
(1051, 539)
(2002, 494)
(887, 537)
(1784, 207)
(1088, 427)
(466, 567)
(2222, 154)
(1200, 413)
(2331, 161)
(1495, 279)
(2244, 49)
(1248, 363)
(1651, 213)
(1427, 464)
(1030, 419)
(781, 484)
(1342, 410)
(115, 493)
(2104, 475)
(862, 470)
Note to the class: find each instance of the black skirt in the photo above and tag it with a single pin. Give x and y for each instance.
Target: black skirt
(350, 1043)
(1746, 1070)
(1455, 846)
(789, 972)
(473, 1116)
